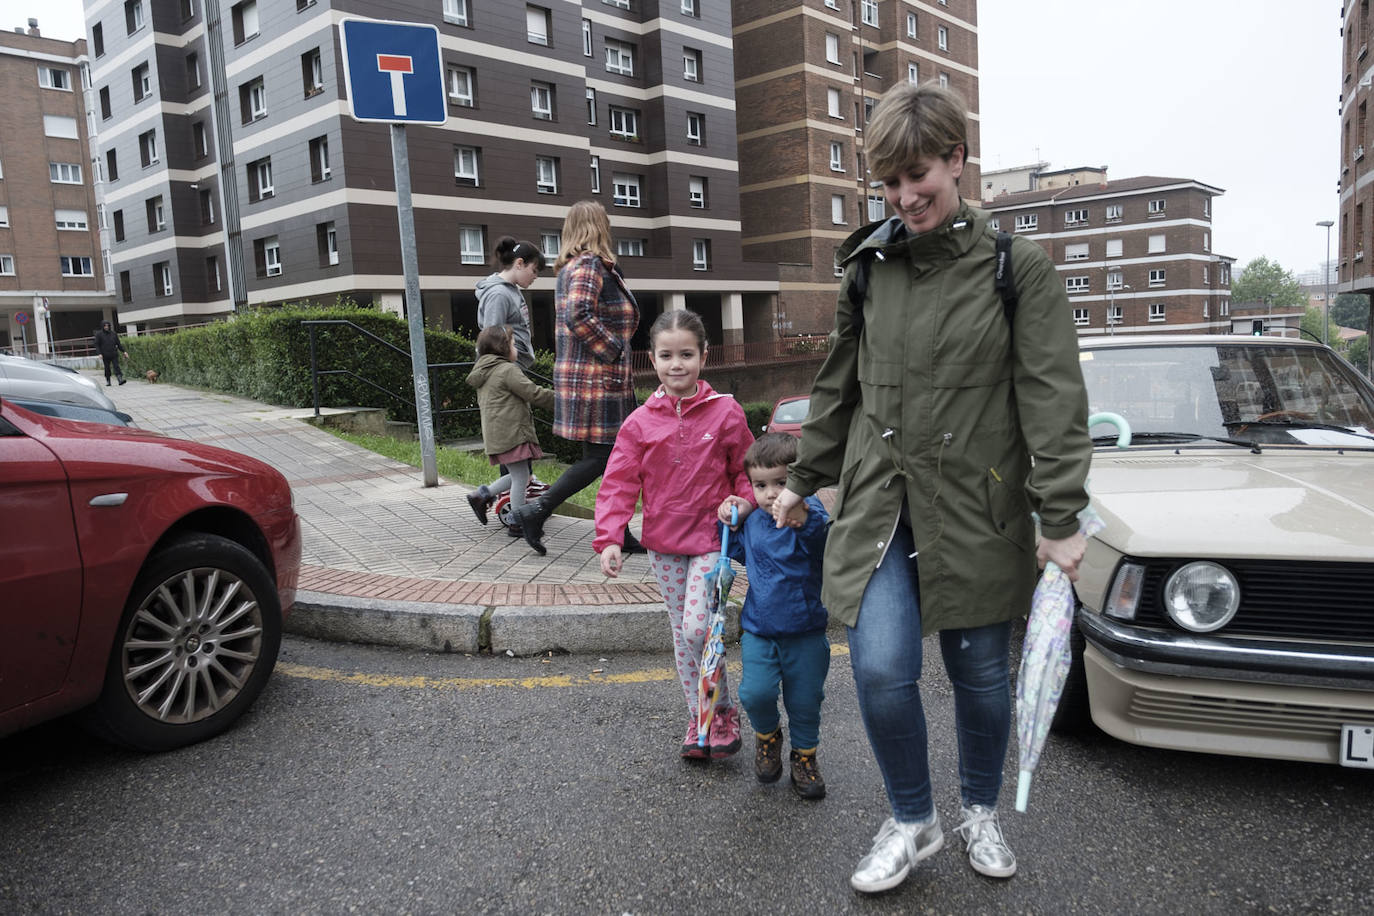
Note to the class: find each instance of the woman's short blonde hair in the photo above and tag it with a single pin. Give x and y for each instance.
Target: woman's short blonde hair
(586, 228)
(912, 123)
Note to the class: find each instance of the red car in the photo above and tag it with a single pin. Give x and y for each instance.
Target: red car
(788, 414)
(143, 579)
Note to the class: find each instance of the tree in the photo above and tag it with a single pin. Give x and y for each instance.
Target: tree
(1358, 354)
(1312, 324)
(1264, 280)
(1351, 310)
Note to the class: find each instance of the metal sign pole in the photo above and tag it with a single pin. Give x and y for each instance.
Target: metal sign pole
(415, 311)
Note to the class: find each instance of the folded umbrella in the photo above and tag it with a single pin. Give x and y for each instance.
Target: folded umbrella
(712, 667)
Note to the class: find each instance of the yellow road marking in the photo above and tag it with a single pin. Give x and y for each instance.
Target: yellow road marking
(420, 682)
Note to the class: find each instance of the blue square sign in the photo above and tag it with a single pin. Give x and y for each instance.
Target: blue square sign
(393, 71)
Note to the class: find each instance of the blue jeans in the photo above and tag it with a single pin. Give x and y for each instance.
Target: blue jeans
(799, 665)
(885, 649)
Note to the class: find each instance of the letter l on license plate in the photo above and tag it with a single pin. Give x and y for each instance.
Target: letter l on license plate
(1357, 746)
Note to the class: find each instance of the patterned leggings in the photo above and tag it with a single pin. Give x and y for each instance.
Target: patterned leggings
(682, 579)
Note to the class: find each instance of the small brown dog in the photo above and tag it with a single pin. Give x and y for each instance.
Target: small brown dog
(151, 375)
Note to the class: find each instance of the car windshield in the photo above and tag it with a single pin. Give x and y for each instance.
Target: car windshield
(792, 411)
(1272, 394)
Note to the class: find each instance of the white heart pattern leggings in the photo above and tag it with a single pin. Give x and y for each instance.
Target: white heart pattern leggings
(682, 579)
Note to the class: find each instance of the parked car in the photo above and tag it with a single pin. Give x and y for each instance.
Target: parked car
(145, 579)
(788, 414)
(20, 377)
(1228, 606)
(68, 411)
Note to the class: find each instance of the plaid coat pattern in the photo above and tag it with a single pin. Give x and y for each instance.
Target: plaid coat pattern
(592, 382)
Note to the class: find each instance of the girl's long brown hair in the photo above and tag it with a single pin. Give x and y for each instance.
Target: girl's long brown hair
(586, 229)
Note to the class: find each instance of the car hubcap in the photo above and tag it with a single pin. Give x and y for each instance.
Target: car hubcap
(192, 645)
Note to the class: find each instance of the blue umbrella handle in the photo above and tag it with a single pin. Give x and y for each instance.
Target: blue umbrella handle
(725, 531)
(1123, 428)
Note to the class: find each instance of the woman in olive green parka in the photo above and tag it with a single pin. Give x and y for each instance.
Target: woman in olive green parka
(944, 422)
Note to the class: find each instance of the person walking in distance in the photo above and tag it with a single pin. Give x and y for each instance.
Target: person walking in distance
(108, 345)
(500, 299)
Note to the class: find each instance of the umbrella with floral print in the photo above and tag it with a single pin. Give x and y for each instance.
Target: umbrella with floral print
(718, 580)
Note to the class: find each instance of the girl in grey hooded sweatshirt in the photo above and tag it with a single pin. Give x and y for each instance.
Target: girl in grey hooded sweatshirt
(500, 299)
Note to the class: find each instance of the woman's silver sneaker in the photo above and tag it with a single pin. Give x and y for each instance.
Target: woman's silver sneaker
(896, 848)
(988, 852)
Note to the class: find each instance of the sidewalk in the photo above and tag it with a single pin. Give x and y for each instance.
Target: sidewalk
(387, 561)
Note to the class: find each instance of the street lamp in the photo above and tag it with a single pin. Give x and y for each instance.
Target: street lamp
(1112, 322)
(1326, 269)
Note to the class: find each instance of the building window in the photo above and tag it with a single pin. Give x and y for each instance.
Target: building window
(456, 12)
(942, 38)
(105, 103)
(98, 39)
(327, 239)
(65, 172)
(147, 148)
(1113, 314)
(596, 174)
(1080, 316)
(620, 57)
(696, 128)
(462, 82)
(143, 82)
(876, 207)
(910, 25)
(312, 73)
(54, 78)
(188, 9)
(621, 4)
(1157, 207)
(1113, 248)
(591, 107)
(836, 156)
(245, 17)
(868, 10)
(162, 278)
(76, 267)
(1076, 284)
(193, 70)
(1206, 308)
(1075, 217)
(126, 287)
(837, 209)
(1156, 244)
(472, 250)
(1113, 213)
(133, 15)
(537, 25)
(944, 80)
(1114, 280)
(696, 192)
(1076, 252)
(546, 174)
(467, 165)
(625, 190)
(689, 8)
(1027, 222)
(1157, 277)
(199, 141)
(7, 267)
(212, 281)
(913, 73)
(631, 248)
(587, 38)
(157, 214)
(832, 48)
(65, 219)
(1225, 308)
(1205, 274)
(1224, 274)
(271, 257)
(1207, 207)
(260, 179)
(691, 65)
(994, 223)
(1157, 311)
(111, 165)
(61, 126)
(207, 207)
(319, 159)
(624, 123)
(701, 254)
(832, 103)
(541, 101)
(1206, 241)
(253, 100)
(549, 244)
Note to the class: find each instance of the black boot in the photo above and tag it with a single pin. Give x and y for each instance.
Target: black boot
(530, 518)
(631, 544)
(478, 500)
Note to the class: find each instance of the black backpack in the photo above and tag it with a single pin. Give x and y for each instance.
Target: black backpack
(1003, 281)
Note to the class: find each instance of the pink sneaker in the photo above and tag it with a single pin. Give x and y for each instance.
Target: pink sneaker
(690, 749)
(724, 737)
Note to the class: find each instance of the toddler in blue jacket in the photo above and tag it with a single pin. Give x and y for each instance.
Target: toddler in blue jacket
(784, 642)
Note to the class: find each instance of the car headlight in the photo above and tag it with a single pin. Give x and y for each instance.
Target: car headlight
(1201, 597)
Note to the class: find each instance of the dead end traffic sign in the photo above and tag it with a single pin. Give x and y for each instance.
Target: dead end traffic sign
(393, 71)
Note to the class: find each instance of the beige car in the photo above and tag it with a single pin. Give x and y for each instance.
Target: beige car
(1228, 606)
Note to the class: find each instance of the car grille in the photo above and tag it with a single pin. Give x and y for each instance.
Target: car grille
(1282, 599)
(1191, 710)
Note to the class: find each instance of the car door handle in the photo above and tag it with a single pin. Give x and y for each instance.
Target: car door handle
(109, 499)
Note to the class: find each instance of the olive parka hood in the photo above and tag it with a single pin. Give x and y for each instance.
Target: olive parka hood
(937, 404)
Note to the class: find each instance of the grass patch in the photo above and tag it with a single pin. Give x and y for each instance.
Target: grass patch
(471, 468)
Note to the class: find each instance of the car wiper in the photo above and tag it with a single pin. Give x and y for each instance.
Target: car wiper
(1290, 423)
(1179, 437)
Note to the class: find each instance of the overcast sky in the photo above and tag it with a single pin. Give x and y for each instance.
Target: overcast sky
(1238, 94)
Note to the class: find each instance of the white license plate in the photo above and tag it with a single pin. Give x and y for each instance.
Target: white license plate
(1357, 746)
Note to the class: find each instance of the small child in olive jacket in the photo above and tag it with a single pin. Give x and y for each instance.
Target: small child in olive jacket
(505, 395)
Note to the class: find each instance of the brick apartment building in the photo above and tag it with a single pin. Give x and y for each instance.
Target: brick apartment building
(808, 73)
(1136, 254)
(235, 176)
(52, 275)
(1355, 255)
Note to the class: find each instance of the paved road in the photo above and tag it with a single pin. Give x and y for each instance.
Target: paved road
(381, 781)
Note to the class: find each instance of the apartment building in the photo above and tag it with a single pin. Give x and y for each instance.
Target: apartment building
(1136, 254)
(52, 275)
(808, 74)
(235, 176)
(1355, 270)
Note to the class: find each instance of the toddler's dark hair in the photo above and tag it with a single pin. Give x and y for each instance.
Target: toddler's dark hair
(508, 250)
(771, 450)
(495, 339)
(679, 319)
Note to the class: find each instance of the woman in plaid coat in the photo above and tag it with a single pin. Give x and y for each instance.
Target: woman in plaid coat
(592, 382)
